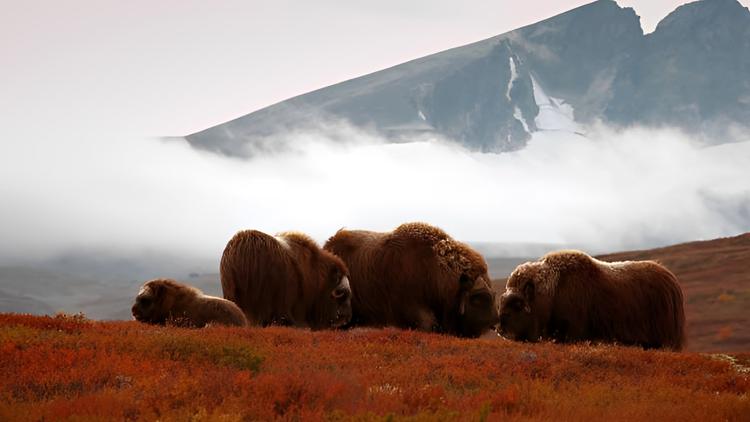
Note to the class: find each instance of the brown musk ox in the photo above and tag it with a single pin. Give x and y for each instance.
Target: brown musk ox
(285, 279)
(416, 277)
(164, 300)
(568, 296)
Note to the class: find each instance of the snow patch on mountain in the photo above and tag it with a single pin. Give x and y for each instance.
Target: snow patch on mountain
(519, 116)
(554, 114)
(513, 77)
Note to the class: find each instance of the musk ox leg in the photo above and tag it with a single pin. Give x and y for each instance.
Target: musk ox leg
(651, 345)
(426, 320)
(282, 320)
(563, 331)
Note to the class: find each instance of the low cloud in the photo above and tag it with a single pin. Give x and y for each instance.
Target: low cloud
(610, 190)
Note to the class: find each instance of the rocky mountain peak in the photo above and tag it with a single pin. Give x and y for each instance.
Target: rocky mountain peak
(711, 21)
(592, 63)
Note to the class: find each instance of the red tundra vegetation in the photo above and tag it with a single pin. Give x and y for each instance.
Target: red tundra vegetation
(70, 368)
(715, 277)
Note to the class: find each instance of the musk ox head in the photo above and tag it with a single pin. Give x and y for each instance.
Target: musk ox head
(334, 305)
(522, 308)
(477, 310)
(154, 301)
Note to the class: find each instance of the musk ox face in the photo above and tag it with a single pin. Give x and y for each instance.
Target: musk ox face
(336, 299)
(477, 308)
(517, 319)
(149, 303)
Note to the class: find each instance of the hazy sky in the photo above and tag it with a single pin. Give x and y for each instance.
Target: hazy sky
(174, 67)
(86, 86)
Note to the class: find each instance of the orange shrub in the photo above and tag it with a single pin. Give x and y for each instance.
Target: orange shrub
(67, 367)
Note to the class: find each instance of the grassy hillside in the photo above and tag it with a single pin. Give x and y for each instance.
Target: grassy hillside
(70, 368)
(715, 278)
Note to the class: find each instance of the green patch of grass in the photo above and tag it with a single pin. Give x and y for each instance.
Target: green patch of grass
(181, 347)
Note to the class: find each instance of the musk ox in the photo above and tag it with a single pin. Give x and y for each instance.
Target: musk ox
(285, 279)
(416, 277)
(569, 296)
(163, 300)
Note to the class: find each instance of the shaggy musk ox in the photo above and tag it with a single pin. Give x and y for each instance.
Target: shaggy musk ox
(416, 277)
(163, 300)
(286, 280)
(569, 296)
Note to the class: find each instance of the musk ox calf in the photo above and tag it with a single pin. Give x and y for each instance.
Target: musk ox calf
(285, 280)
(163, 300)
(416, 277)
(569, 296)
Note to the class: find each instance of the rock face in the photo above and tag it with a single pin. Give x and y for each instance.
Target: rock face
(577, 54)
(592, 62)
(488, 104)
(693, 71)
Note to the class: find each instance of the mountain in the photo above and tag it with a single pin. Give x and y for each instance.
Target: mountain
(693, 71)
(590, 63)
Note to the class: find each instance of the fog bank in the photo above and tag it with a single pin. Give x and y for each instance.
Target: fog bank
(610, 190)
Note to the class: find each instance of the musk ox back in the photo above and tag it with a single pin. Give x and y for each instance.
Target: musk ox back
(285, 279)
(416, 277)
(569, 296)
(165, 300)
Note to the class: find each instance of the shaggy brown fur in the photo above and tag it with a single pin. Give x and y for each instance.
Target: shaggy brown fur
(416, 277)
(569, 296)
(164, 300)
(285, 280)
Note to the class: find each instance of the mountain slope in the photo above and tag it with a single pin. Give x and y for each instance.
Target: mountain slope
(715, 277)
(693, 71)
(475, 94)
(593, 62)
